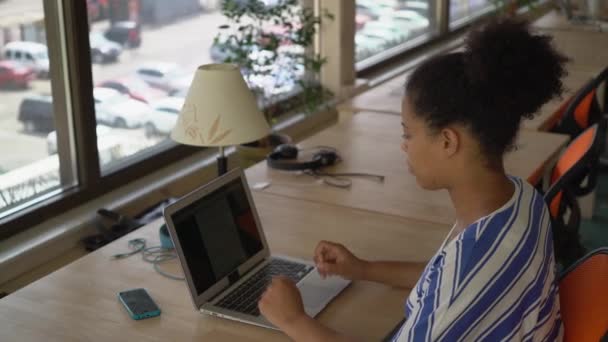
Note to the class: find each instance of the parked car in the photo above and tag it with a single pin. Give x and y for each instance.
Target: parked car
(102, 49)
(159, 123)
(166, 76)
(407, 19)
(125, 33)
(169, 104)
(29, 54)
(369, 43)
(372, 8)
(135, 88)
(385, 31)
(51, 138)
(36, 113)
(422, 7)
(15, 75)
(117, 110)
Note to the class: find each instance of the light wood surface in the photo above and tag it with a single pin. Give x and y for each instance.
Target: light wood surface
(387, 97)
(555, 20)
(370, 142)
(384, 98)
(588, 50)
(549, 113)
(78, 302)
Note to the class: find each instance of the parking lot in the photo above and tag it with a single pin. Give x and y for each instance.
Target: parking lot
(168, 43)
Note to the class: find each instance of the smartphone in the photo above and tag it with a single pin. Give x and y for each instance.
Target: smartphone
(138, 303)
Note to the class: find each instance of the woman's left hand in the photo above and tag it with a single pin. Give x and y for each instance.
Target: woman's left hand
(281, 303)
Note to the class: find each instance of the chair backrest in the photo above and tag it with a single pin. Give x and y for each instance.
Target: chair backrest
(583, 110)
(580, 160)
(565, 223)
(583, 290)
(575, 174)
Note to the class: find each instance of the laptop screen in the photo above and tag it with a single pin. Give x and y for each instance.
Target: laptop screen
(217, 234)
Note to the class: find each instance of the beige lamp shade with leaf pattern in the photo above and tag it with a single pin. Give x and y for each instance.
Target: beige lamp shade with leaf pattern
(219, 110)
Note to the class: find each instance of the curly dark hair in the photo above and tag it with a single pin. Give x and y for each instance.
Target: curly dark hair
(505, 73)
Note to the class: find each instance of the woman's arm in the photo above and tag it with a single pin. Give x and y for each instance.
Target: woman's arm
(282, 306)
(334, 259)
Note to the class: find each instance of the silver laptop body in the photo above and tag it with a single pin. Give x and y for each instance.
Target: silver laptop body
(221, 244)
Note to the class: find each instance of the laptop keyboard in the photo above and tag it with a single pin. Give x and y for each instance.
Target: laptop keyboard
(245, 298)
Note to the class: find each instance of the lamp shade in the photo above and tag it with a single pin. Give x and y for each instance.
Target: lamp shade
(219, 110)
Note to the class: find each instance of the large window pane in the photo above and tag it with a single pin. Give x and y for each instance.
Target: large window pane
(463, 11)
(385, 24)
(29, 164)
(144, 54)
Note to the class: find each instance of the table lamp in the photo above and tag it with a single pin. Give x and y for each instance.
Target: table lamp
(219, 110)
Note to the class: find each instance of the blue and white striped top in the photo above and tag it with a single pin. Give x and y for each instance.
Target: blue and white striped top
(495, 281)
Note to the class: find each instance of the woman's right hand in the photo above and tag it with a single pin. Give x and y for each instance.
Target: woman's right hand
(335, 259)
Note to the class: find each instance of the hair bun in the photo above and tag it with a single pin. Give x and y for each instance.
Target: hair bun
(508, 65)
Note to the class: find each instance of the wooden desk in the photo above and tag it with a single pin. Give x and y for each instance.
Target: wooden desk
(370, 142)
(78, 302)
(550, 113)
(384, 98)
(555, 20)
(588, 50)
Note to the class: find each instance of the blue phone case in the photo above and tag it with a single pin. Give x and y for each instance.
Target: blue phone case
(139, 304)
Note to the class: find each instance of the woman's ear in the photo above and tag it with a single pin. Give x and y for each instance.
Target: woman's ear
(450, 139)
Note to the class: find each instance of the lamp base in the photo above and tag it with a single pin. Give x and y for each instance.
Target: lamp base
(222, 165)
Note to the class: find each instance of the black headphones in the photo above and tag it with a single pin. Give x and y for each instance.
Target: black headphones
(284, 157)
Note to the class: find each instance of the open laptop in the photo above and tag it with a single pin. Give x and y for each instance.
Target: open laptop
(223, 251)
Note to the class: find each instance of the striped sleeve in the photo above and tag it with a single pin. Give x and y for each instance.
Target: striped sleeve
(494, 282)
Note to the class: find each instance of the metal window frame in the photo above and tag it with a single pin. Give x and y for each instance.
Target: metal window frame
(77, 138)
(67, 23)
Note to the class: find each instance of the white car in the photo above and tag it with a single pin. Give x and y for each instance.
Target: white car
(117, 110)
(126, 114)
(407, 19)
(391, 32)
(51, 139)
(164, 116)
(166, 76)
(29, 54)
(389, 37)
(159, 123)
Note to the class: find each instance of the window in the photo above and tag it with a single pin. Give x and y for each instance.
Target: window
(463, 11)
(30, 169)
(382, 25)
(144, 52)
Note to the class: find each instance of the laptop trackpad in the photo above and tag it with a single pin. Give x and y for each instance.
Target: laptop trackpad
(317, 292)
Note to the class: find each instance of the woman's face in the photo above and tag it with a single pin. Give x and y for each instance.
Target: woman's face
(424, 148)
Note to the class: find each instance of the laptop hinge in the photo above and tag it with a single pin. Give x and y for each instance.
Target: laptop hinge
(234, 277)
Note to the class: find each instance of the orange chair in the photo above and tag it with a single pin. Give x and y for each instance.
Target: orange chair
(584, 109)
(575, 174)
(583, 292)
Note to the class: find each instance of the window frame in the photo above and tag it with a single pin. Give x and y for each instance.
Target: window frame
(76, 134)
(91, 184)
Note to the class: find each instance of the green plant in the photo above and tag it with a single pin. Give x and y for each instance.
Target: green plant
(272, 44)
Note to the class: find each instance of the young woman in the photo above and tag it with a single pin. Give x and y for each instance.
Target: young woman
(493, 278)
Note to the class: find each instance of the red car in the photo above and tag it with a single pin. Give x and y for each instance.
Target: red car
(15, 75)
(135, 88)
